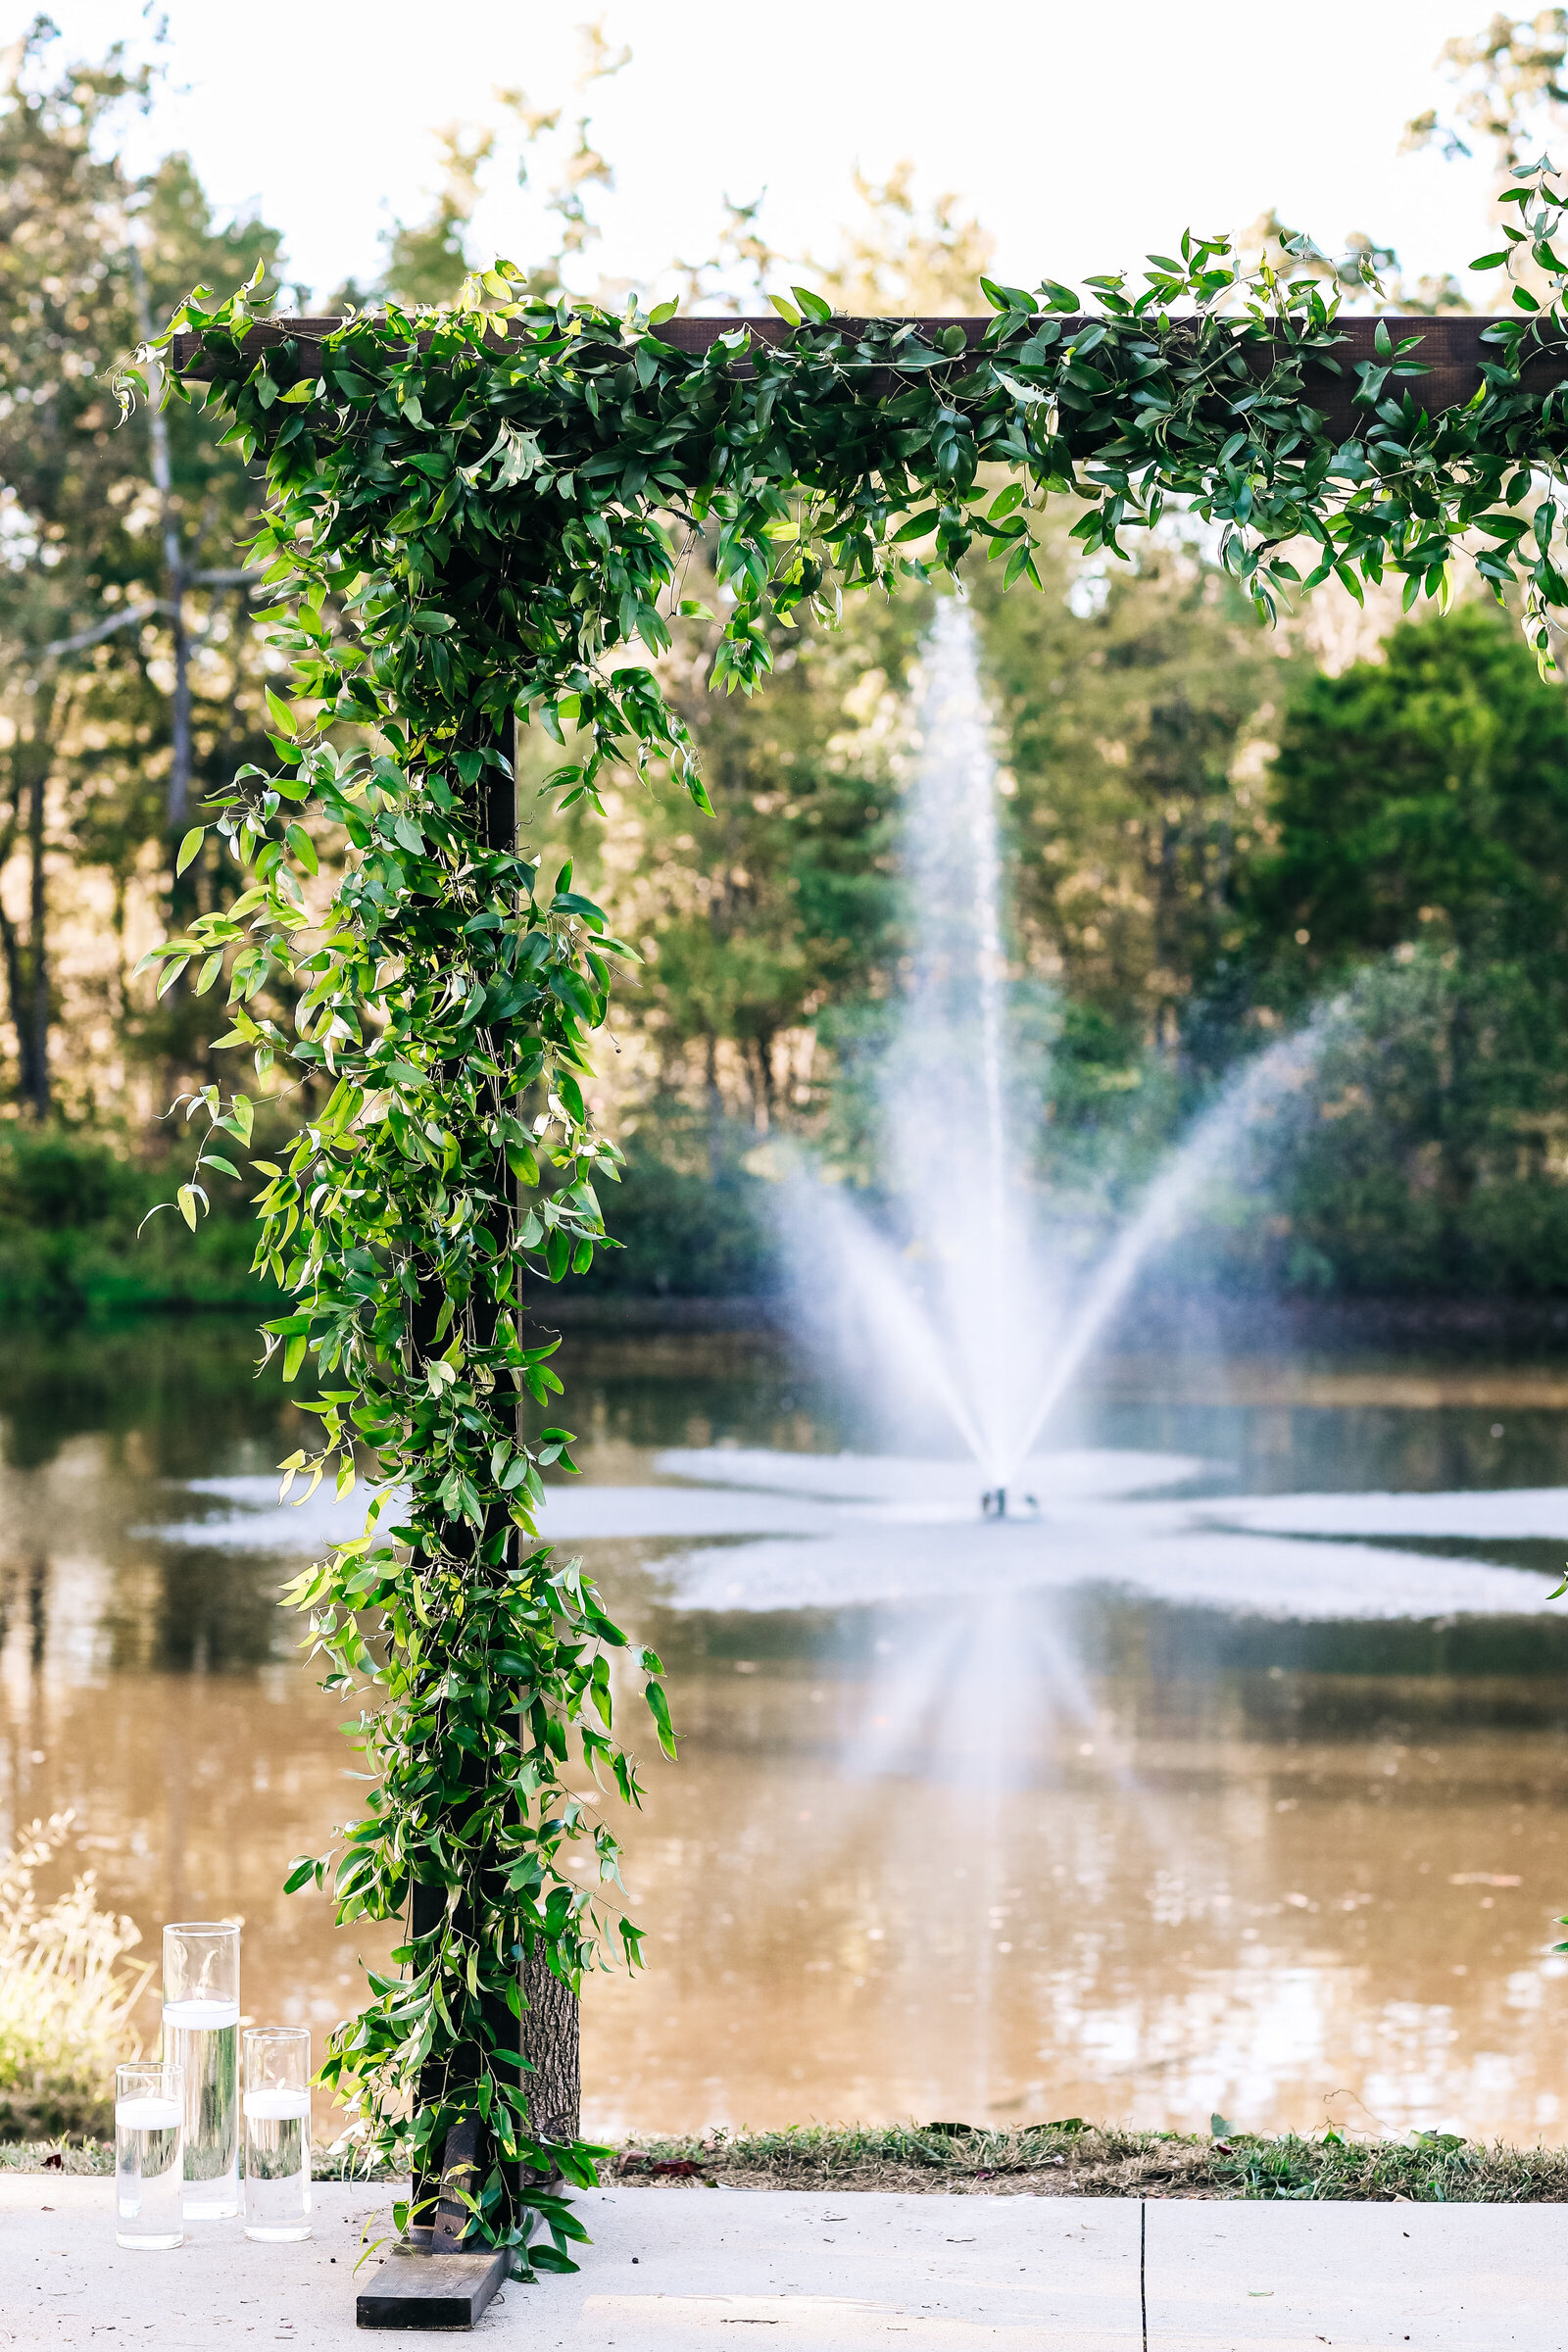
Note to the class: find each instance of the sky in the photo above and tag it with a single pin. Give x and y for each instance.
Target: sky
(1080, 136)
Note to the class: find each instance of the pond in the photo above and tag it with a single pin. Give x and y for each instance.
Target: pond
(1227, 1774)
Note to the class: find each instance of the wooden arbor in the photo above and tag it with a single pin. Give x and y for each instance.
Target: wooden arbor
(1450, 349)
(439, 2290)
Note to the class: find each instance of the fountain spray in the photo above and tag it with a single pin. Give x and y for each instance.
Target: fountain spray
(977, 1312)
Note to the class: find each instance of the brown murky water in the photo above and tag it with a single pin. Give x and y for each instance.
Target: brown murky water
(1202, 1857)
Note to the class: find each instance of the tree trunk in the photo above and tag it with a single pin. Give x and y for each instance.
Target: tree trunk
(1458, 1123)
(10, 951)
(715, 1113)
(179, 764)
(37, 1016)
(177, 579)
(27, 962)
(550, 2043)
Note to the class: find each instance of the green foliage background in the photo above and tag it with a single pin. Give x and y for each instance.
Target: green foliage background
(1139, 707)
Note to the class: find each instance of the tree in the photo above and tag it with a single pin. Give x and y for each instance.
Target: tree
(428, 260)
(62, 277)
(1512, 83)
(1137, 704)
(902, 261)
(132, 672)
(1423, 796)
(896, 259)
(1510, 79)
(1419, 813)
(754, 925)
(1429, 1146)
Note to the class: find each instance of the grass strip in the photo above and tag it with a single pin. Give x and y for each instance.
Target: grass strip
(1078, 2160)
(1044, 2160)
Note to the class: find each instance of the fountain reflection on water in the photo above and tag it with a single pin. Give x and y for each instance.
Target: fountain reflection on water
(985, 1312)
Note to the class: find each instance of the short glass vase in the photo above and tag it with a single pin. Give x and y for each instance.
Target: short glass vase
(277, 2132)
(149, 2156)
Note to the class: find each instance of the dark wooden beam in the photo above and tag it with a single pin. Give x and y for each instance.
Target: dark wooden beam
(1450, 349)
(423, 2293)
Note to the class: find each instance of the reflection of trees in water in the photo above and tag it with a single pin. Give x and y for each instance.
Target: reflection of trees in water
(1284, 1677)
(37, 1619)
(25, 1588)
(186, 1388)
(183, 1611)
(1149, 1662)
(166, 1399)
(1357, 1448)
(696, 1387)
(166, 1610)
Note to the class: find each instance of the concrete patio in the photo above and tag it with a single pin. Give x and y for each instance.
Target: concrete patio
(672, 2268)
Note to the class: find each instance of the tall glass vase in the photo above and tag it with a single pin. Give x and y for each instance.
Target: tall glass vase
(201, 2036)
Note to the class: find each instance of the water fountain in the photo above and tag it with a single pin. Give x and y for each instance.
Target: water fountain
(982, 1308)
(977, 1320)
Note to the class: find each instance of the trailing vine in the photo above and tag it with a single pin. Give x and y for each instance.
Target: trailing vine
(477, 521)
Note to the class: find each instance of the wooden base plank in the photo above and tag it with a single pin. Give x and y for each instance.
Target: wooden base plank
(429, 2291)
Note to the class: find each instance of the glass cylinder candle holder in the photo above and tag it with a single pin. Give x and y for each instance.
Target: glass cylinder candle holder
(201, 2037)
(277, 2132)
(149, 2156)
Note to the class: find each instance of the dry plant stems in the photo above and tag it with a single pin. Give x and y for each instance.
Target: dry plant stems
(478, 518)
(66, 1993)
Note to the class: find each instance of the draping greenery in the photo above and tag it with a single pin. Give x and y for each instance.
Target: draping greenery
(480, 516)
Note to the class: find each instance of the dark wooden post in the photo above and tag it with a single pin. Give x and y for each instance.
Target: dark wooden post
(548, 2043)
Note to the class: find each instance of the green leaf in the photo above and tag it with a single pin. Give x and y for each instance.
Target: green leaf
(812, 305)
(658, 1708)
(304, 848)
(786, 309)
(189, 847)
